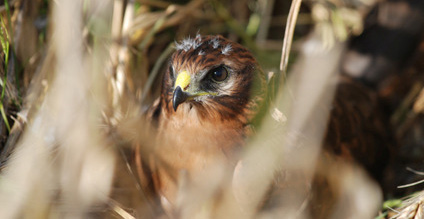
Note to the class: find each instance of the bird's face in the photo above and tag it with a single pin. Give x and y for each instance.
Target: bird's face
(211, 74)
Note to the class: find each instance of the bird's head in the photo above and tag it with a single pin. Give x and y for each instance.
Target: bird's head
(212, 74)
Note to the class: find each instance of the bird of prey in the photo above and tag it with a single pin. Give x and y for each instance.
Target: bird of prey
(211, 92)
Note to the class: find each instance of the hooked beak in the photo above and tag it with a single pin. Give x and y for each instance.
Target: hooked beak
(179, 97)
(182, 82)
(183, 92)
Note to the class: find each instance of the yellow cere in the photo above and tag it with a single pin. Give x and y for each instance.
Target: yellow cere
(183, 80)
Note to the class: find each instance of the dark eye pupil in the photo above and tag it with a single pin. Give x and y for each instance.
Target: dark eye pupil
(219, 74)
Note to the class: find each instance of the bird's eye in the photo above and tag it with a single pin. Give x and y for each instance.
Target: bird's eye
(218, 74)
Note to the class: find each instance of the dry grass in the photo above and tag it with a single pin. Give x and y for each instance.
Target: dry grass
(76, 100)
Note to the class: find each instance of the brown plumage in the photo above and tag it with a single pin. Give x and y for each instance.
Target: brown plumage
(207, 119)
(358, 129)
(211, 92)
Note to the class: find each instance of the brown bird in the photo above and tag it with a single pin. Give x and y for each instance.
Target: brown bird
(211, 92)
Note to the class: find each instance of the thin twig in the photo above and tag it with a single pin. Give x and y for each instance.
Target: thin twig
(119, 210)
(13, 137)
(288, 35)
(415, 171)
(118, 9)
(120, 54)
(392, 209)
(411, 184)
(403, 118)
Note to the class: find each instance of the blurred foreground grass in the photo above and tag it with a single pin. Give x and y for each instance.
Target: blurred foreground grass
(77, 76)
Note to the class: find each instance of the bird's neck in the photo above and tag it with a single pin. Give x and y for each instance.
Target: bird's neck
(203, 126)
